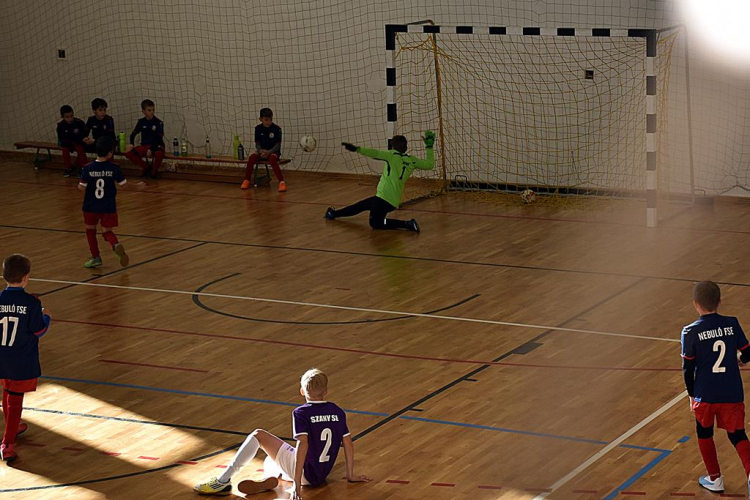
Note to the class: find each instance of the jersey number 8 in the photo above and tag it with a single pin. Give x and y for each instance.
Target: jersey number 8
(99, 192)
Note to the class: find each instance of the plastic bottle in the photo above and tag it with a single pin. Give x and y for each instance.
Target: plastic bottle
(176, 147)
(235, 146)
(184, 150)
(240, 152)
(208, 147)
(123, 142)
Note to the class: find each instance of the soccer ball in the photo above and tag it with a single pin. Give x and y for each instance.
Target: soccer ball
(528, 196)
(308, 143)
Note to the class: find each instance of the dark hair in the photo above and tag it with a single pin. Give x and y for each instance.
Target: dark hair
(146, 103)
(98, 103)
(64, 110)
(105, 145)
(15, 267)
(707, 295)
(266, 113)
(399, 143)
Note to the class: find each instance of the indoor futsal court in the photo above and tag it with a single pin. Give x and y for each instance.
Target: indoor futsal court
(511, 331)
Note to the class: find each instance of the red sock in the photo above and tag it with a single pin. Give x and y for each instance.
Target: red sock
(250, 166)
(66, 157)
(5, 404)
(708, 451)
(110, 238)
(274, 161)
(158, 157)
(80, 156)
(13, 418)
(743, 450)
(93, 245)
(135, 156)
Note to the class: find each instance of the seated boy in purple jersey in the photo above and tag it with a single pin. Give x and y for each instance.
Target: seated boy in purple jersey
(267, 147)
(70, 134)
(712, 378)
(152, 139)
(23, 321)
(319, 428)
(100, 124)
(99, 181)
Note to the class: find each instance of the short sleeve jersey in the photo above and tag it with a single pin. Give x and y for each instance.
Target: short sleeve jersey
(325, 426)
(101, 128)
(21, 325)
(74, 132)
(268, 137)
(713, 341)
(101, 179)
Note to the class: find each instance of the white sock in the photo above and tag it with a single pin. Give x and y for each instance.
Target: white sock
(243, 457)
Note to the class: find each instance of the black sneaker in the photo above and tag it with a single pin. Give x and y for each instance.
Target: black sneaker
(329, 213)
(412, 225)
(67, 172)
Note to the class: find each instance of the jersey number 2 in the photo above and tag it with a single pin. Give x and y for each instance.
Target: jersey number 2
(99, 191)
(720, 346)
(6, 322)
(326, 436)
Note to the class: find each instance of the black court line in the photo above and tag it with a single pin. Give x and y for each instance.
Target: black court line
(140, 473)
(400, 257)
(99, 276)
(521, 349)
(197, 301)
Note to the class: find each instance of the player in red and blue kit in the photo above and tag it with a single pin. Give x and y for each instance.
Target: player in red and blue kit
(713, 381)
(71, 132)
(152, 139)
(267, 147)
(99, 180)
(99, 124)
(319, 428)
(23, 321)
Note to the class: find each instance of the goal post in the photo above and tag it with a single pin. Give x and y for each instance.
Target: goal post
(561, 110)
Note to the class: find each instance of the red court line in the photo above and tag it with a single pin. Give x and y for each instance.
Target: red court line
(396, 481)
(369, 353)
(153, 366)
(148, 458)
(633, 493)
(221, 466)
(110, 453)
(186, 462)
(444, 485)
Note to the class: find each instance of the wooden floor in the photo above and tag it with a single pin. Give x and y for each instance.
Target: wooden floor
(504, 352)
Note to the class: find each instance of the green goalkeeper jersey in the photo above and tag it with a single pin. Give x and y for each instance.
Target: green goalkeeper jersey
(398, 168)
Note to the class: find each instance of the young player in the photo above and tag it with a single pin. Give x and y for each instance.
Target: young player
(152, 139)
(70, 134)
(398, 167)
(713, 381)
(268, 147)
(100, 124)
(319, 428)
(99, 180)
(23, 321)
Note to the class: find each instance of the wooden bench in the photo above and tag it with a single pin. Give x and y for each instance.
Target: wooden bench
(40, 159)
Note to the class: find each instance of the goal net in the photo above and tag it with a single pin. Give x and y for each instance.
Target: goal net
(559, 111)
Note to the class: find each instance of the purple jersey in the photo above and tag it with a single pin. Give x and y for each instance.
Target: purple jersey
(100, 128)
(268, 138)
(101, 179)
(71, 133)
(713, 341)
(152, 132)
(21, 325)
(325, 426)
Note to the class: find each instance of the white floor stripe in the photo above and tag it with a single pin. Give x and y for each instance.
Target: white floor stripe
(614, 444)
(359, 309)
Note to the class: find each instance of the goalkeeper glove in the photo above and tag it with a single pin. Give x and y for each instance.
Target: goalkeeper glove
(429, 138)
(349, 146)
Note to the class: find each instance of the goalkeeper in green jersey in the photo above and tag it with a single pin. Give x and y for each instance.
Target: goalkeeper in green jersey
(398, 167)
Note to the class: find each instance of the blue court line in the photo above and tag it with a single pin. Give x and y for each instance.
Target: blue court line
(356, 412)
(635, 477)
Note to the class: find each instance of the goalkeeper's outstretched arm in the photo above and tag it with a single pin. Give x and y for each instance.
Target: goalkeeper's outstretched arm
(429, 162)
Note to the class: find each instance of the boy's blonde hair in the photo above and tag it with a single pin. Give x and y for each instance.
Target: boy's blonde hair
(314, 382)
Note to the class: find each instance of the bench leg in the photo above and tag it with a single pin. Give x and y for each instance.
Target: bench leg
(39, 161)
(257, 178)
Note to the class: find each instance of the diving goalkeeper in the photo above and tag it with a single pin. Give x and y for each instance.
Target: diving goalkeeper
(398, 167)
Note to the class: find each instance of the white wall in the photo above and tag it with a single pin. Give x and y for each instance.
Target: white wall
(210, 65)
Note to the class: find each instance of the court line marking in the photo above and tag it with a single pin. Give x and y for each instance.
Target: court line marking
(359, 309)
(614, 444)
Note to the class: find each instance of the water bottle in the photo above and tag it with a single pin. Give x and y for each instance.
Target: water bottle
(208, 147)
(240, 152)
(176, 147)
(235, 146)
(123, 142)
(184, 151)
